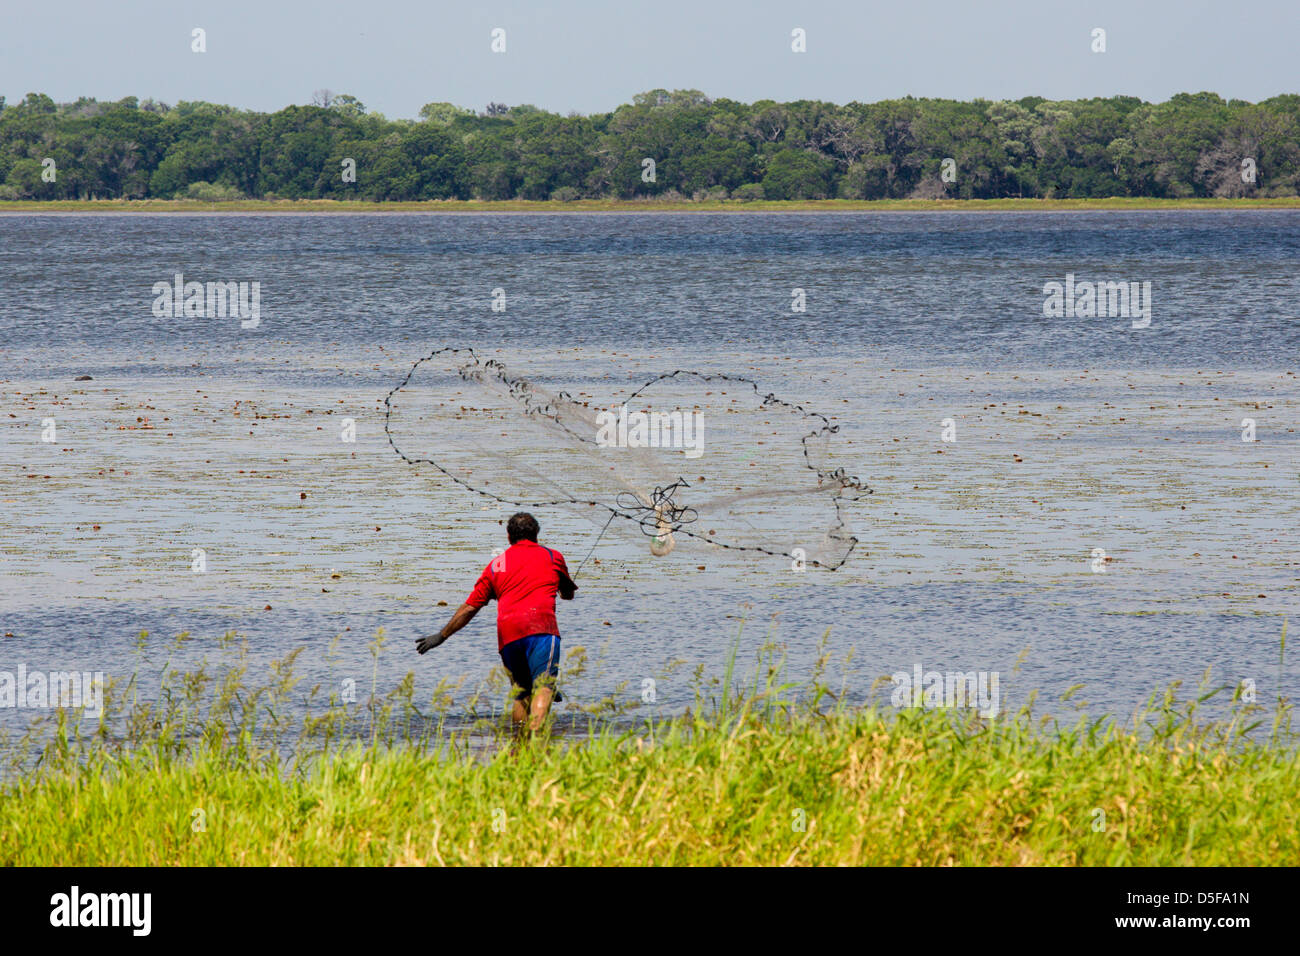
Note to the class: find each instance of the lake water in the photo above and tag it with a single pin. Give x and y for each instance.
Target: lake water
(1072, 434)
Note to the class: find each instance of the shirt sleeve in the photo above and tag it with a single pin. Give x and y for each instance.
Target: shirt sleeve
(483, 591)
(566, 585)
(557, 559)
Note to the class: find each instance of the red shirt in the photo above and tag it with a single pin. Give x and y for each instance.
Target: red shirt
(524, 580)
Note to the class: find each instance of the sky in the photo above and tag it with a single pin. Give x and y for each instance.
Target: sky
(591, 56)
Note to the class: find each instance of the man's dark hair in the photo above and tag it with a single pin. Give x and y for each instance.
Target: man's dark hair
(522, 527)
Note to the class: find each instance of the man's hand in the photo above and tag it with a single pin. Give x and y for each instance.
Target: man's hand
(426, 644)
(463, 615)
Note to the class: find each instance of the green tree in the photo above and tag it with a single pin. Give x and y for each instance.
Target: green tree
(797, 174)
(443, 114)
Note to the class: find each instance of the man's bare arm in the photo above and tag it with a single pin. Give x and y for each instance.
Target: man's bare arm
(464, 614)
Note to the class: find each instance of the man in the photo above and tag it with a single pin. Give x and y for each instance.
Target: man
(524, 579)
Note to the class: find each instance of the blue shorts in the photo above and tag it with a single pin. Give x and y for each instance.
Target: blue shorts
(533, 660)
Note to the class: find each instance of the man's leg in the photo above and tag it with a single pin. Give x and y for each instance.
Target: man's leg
(517, 674)
(541, 706)
(546, 670)
(519, 711)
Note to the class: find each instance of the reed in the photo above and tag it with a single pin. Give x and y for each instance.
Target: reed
(758, 771)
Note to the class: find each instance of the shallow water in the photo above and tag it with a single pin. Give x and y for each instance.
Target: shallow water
(1072, 435)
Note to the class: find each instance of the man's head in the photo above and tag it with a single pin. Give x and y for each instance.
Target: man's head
(522, 527)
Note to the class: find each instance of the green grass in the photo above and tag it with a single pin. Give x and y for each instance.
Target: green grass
(647, 205)
(763, 773)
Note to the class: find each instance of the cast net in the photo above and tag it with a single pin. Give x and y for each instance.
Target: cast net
(694, 461)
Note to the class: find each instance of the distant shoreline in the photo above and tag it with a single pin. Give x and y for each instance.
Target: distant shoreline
(329, 206)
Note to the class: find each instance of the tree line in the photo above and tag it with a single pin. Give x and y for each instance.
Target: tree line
(678, 145)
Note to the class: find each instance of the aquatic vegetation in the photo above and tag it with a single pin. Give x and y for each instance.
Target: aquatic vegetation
(758, 771)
